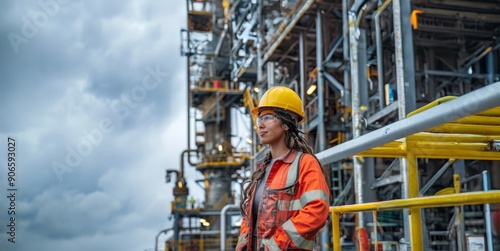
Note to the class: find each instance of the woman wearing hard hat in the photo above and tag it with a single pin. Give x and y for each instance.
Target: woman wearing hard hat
(286, 201)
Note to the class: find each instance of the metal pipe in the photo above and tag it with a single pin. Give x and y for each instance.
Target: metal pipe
(487, 215)
(221, 39)
(203, 232)
(321, 135)
(243, 16)
(260, 63)
(164, 231)
(355, 112)
(345, 33)
(398, 43)
(188, 100)
(320, 81)
(223, 225)
(484, 52)
(456, 74)
(302, 72)
(188, 72)
(270, 74)
(490, 67)
(181, 174)
(321, 101)
(380, 55)
(408, 56)
(356, 6)
(468, 104)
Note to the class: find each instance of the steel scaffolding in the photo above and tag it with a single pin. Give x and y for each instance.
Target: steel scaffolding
(367, 70)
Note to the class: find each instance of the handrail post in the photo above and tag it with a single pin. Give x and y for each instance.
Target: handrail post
(415, 219)
(223, 224)
(336, 230)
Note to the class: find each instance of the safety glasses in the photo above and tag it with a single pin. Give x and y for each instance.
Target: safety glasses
(266, 119)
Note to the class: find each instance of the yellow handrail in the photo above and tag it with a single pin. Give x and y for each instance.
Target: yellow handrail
(471, 198)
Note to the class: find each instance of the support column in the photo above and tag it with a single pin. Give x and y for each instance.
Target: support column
(321, 136)
(345, 32)
(367, 167)
(320, 81)
(400, 82)
(408, 57)
(302, 73)
(355, 113)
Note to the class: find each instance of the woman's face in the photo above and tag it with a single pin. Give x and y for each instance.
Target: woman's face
(271, 130)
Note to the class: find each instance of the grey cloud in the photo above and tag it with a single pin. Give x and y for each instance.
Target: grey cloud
(68, 78)
(70, 214)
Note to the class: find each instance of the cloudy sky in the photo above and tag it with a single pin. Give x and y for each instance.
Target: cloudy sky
(93, 92)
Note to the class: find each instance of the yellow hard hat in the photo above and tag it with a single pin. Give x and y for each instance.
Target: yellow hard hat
(284, 98)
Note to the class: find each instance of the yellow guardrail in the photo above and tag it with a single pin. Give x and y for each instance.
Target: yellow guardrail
(203, 244)
(233, 159)
(471, 198)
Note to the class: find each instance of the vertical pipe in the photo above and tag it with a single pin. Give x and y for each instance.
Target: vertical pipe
(320, 80)
(380, 54)
(408, 57)
(367, 168)
(302, 73)
(188, 71)
(356, 112)
(188, 102)
(260, 74)
(223, 224)
(490, 67)
(400, 77)
(380, 67)
(345, 51)
(487, 215)
(415, 221)
(398, 43)
(270, 74)
(259, 43)
(362, 62)
(321, 101)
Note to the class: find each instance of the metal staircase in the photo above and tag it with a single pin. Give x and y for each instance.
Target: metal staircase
(209, 105)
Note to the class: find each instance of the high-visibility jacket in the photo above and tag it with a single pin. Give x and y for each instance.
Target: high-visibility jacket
(293, 207)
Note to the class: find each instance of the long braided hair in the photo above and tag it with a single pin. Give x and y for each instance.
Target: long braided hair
(293, 140)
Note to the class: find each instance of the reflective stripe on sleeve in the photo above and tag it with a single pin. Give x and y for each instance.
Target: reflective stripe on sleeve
(242, 239)
(296, 238)
(270, 244)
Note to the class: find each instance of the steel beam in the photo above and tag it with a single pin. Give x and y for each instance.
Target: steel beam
(286, 28)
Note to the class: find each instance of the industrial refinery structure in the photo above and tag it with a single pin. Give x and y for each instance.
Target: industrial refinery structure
(402, 102)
